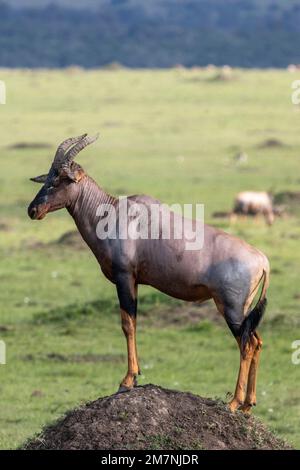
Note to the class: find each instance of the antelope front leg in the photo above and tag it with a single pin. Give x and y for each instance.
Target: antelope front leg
(129, 329)
(127, 293)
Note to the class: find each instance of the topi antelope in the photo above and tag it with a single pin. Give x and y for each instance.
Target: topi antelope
(225, 269)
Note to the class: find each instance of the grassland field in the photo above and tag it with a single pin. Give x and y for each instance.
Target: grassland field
(172, 134)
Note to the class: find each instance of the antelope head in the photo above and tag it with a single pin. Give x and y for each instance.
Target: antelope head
(60, 184)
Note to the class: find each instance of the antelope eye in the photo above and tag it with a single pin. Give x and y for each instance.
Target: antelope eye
(55, 182)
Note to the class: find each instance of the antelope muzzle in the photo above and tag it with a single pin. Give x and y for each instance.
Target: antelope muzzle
(38, 208)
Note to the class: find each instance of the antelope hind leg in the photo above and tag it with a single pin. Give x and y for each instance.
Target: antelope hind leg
(250, 400)
(240, 389)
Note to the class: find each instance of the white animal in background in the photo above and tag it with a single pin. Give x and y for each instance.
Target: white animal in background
(253, 203)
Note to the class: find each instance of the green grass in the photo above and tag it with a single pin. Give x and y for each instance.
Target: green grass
(59, 316)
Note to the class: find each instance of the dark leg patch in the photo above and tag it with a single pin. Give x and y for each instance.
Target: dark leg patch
(126, 295)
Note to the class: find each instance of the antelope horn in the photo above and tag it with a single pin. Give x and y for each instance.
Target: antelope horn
(65, 145)
(71, 154)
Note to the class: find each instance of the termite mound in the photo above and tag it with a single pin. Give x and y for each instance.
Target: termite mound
(151, 417)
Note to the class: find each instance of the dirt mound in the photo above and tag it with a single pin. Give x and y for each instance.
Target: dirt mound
(271, 143)
(184, 315)
(221, 215)
(288, 199)
(72, 239)
(4, 227)
(30, 146)
(151, 417)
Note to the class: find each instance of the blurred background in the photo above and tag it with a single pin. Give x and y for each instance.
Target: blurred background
(154, 33)
(193, 103)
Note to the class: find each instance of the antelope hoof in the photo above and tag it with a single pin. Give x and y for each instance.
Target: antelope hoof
(247, 408)
(234, 405)
(124, 389)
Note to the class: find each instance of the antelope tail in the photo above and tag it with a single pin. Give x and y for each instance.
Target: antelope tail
(251, 322)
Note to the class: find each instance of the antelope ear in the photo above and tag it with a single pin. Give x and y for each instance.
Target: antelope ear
(39, 179)
(74, 175)
(77, 175)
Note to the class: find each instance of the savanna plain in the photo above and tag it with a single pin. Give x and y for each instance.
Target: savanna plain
(173, 134)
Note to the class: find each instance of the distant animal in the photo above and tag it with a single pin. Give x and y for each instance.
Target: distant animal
(253, 203)
(226, 269)
(241, 158)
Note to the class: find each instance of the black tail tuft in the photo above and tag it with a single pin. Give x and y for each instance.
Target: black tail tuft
(251, 322)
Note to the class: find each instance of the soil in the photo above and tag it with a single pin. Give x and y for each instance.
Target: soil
(287, 197)
(72, 239)
(75, 358)
(271, 143)
(221, 215)
(4, 227)
(290, 200)
(30, 145)
(151, 417)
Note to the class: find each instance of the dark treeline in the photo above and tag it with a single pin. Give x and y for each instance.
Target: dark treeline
(244, 33)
